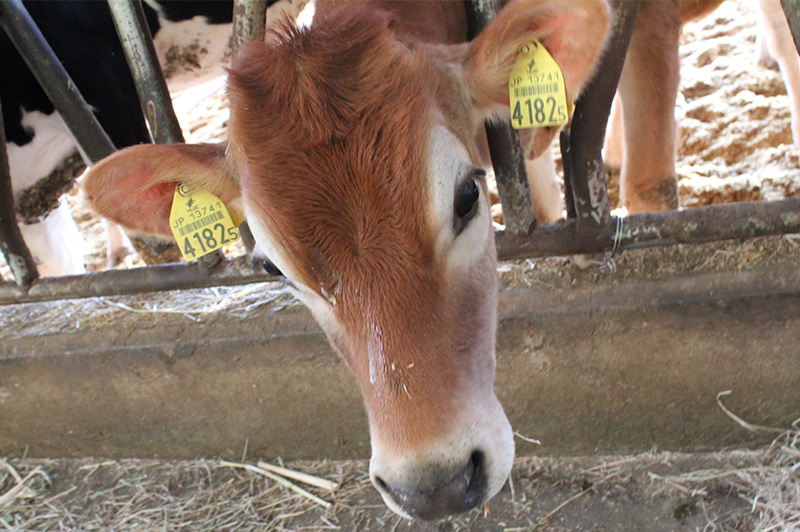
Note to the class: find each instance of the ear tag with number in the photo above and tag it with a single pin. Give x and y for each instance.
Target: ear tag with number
(200, 222)
(536, 90)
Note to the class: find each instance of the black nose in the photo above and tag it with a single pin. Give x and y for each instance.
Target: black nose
(446, 494)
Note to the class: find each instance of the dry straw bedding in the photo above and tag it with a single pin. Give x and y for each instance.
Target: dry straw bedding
(743, 491)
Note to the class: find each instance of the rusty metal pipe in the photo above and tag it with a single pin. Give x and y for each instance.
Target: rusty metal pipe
(249, 22)
(137, 43)
(702, 224)
(17, 255)
(508, 157)
(161, 277)
(585, 167)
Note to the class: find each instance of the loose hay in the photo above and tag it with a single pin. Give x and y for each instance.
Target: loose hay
(193, 495)
(745, 491)
(237, 301)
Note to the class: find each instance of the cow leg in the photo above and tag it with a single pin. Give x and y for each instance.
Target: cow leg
(54, 241)
(545, 190)
(780, 45)
(614, 145)
(762, 57)
(648, 88)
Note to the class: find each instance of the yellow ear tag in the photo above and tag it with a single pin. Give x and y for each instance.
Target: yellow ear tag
(536, 91)
(237, 216)
(200, 222)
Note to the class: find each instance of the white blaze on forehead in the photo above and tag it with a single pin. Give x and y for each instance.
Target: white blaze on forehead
(449, 165)
(447, 160)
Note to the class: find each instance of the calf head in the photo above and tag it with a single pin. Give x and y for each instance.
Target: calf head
(355, 156)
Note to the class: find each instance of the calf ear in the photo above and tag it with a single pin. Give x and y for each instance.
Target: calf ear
(134, 186)
(573, 31)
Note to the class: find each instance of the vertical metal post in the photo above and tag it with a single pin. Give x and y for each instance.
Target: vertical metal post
(249, 22)
(134, 35)
(16, 253)
(584, 162)
(508, 157)
(791, 8)
(566, 160)
(508, 160)
(54, 80)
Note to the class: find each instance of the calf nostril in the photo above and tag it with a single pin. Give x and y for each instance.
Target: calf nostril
(478, 481)
(381, 484)
(446, 494)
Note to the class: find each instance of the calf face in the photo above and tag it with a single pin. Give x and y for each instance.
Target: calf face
(354, 152)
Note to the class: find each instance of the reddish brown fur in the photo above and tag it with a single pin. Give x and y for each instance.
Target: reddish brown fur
(436, 21)
(298, 113)
(302, 135)
(346, 139)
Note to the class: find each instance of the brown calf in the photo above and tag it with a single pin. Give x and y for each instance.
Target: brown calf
(354, 151)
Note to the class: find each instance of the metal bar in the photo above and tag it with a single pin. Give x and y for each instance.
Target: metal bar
(791, 8)
(508, 157)
(17, 255)
(508, 160)
(702, 224)
(19, 26)
(249, 22)
(134, 35)
(566, 160)
(585, 160)
(156, 278)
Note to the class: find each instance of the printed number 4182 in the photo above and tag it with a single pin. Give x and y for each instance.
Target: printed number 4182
(207, 241)
(539, 111)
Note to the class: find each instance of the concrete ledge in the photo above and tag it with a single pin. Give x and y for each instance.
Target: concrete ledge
(617, 366)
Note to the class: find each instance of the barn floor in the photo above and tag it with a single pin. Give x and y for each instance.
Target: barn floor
(646, 378)
(652, 492)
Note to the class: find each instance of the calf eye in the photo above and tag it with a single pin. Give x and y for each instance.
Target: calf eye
(267, 265)
(466, 201)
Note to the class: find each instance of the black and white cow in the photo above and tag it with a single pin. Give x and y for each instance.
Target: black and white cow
(83, 37)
